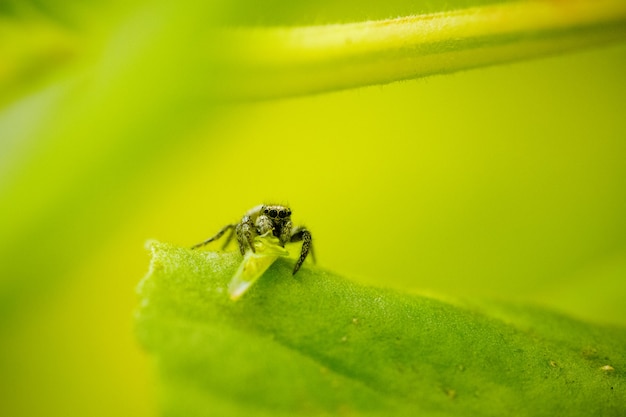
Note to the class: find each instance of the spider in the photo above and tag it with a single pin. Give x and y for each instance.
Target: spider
(263, 219)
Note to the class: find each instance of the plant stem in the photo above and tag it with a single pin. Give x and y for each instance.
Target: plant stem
(258, 63)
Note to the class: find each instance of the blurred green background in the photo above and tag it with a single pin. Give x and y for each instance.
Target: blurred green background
(505, 182)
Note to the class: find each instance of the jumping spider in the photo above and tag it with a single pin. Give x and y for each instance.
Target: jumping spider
(261, 220)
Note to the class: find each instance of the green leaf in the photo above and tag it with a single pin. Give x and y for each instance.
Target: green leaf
(318, 344)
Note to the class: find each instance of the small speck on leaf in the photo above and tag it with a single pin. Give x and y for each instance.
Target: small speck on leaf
(590, 353)
(607, 368)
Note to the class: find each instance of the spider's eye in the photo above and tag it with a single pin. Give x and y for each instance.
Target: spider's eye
(266, 211)
(273, 213)
(288, 212)
(282, 214)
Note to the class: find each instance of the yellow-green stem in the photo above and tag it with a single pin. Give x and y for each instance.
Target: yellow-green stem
(274, 62)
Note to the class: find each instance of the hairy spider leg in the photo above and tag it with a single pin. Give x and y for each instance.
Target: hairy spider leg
(240, 243)
(285, 232)
(217, 236)
(245, 234)
(229, 237)
(301, 234)
(264, 224)
(299, 230)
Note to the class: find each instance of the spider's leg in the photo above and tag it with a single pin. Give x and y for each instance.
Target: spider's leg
(312, 253)
(229, 237)
(217, 236)
(301, 234)
(284, 234)
(240, 241)
(264, 224)
(245, 234)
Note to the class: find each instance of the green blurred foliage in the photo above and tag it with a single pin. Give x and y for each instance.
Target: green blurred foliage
(505, 182)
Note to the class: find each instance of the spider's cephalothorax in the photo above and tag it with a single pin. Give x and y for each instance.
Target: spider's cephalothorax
(266, 218)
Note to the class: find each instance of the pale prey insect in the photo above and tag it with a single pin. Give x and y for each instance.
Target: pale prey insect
(264, 220)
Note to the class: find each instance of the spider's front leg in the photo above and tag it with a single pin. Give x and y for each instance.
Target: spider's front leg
(302, 234)
(245, 234)
(284, 234)
(264, 225)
